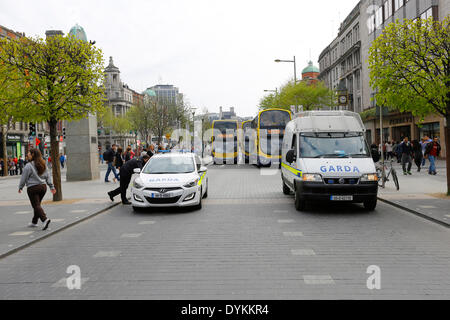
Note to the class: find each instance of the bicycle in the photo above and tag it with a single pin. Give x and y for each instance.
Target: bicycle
(390, 171)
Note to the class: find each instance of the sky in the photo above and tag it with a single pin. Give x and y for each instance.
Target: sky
(217, 52)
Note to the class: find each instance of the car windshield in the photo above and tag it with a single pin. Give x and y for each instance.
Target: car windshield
(170, 165)
(333, 145)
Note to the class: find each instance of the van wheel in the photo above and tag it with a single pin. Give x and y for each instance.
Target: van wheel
(206, 192)
(286, 189)
(370, 205)
(300, 203)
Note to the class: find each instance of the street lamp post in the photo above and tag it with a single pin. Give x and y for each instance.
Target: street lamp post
(295, 74)
(295, 67)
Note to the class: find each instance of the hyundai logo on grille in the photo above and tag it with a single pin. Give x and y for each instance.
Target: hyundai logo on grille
(162, 190)
(341, 180)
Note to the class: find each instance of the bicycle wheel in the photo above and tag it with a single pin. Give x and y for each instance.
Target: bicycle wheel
(394, 177)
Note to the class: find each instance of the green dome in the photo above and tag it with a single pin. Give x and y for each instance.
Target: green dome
(150, 93)
(310, 68)
(78, 32)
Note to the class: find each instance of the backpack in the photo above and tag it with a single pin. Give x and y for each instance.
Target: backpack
(107, 155)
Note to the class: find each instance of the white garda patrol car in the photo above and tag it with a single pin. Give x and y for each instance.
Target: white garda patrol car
(325, 157)
(171, 179)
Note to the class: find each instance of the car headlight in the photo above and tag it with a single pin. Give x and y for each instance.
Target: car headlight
(138, 183)
(369, 177)
(191, 184)
(312, 177)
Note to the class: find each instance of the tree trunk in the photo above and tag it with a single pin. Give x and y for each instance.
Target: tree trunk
(54, 153)
(5, 152)
(447, 151)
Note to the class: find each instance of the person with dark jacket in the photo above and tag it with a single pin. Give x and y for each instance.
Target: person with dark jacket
(126, 172)
(432, 151)
(109, 156)
(406, 151)
(118, 161)
(417, 150)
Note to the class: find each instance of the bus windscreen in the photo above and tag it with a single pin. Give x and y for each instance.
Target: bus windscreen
(224, 126)
(274, 119)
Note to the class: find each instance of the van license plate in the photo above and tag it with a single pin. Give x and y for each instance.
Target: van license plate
(341, 198)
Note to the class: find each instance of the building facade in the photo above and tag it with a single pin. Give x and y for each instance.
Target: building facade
(167, 94)
(343, 64)
(120, 98)
(310, 73)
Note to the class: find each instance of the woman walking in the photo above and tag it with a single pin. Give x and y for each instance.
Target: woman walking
(417, 149)
(35, 176)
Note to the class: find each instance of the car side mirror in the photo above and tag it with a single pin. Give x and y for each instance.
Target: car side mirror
(290, 156)
(203, 169)
(137, 170)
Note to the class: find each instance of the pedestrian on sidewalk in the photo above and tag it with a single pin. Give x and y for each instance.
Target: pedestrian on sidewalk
(35, 176)
(126, 172)
(62, 159)
(432, 152)
(424, 143)
(21, 165)
(417, 149)
(109, 156)
(397, 151)
(128, 155)
(389, 154)
(12, 167)
(118, 161)
(406, 153)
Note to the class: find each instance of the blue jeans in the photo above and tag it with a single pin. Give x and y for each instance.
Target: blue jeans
(423, 161)
(432, 168)
(113, 169)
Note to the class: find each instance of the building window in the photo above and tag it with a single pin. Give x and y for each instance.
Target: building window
(387, 9)
(379, 17)
(427, 14)
(371, 23)
(398, 4)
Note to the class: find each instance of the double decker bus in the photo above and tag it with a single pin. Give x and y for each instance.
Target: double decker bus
(270, 125)
(225, 141)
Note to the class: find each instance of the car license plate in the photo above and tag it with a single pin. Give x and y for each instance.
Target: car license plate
(341, 198)
(161, 195)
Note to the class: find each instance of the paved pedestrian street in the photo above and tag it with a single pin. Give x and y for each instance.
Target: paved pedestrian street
(247, 242)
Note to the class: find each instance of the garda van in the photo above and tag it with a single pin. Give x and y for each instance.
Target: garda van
(325, 157)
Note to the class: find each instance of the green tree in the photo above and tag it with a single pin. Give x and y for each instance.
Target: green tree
(409, 66)
(311, 95)
(140, 120)
(10, 104)
(64, 81)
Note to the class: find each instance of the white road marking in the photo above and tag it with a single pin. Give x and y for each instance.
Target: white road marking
(78, 211)
(293, 234)
(63, 283)
(447, 215)
(21, 233)
(318, 279)
(286, 221)
(22, 212)
(107, 254)
(131, 235)
(303, 252)
(147, 222)
(58, 220)
(427, 207)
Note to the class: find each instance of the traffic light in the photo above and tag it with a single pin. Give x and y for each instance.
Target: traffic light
(32, 127)
(64, 133)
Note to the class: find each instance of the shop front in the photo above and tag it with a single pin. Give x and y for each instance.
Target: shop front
(397, 126)
(16, 145)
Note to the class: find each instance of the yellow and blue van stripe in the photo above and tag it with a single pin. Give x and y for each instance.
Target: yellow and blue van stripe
(292, 170)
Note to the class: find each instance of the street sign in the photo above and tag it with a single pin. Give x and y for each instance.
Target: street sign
(38, 142)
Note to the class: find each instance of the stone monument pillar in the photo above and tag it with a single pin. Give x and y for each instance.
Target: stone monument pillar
(82, 140)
